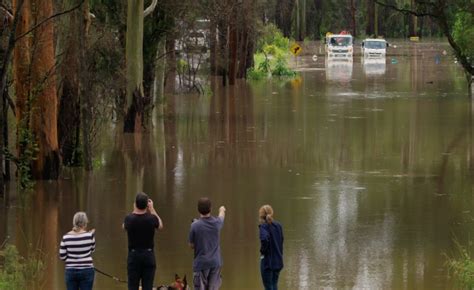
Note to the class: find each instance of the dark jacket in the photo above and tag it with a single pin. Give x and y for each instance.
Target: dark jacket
(271, 245)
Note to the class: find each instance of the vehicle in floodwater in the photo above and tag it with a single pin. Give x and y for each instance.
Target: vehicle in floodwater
(374, 47)
(339, 45)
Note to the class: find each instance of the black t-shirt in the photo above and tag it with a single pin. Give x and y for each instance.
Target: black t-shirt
(140, 230)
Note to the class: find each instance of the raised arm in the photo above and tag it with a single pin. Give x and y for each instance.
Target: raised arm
(222, 212)
(153, 212)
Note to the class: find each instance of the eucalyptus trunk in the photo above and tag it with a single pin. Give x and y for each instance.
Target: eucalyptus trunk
(44, 113)
(69, 122)
(160, 66)
(134, 58)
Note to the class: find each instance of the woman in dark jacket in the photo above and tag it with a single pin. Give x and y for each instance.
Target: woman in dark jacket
(271, 248)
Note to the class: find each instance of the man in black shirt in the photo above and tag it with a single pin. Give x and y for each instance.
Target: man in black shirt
(140, 226)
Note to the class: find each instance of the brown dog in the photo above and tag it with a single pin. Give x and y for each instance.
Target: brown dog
(178, 284)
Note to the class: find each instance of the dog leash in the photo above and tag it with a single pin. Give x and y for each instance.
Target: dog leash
(110, 276)
(124, 281)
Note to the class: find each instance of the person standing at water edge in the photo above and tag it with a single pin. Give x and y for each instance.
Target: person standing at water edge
(204, 238)
(140, 226)
(271, 248)
(75, 249)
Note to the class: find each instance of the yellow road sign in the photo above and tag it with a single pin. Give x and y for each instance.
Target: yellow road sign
(296, 49)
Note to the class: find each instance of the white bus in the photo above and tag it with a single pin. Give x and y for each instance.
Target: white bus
(372, 47)
(339, 45)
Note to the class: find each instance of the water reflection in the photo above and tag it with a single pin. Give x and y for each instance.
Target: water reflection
(338, 69)
(374, 66)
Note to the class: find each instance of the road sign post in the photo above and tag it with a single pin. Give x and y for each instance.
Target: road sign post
(296, 49)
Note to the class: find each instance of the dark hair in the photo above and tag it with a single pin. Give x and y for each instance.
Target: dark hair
(141, 200)
(204, 205)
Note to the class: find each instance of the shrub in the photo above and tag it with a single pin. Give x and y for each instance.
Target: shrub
(271, 56)
(462, 268)
(16, 272)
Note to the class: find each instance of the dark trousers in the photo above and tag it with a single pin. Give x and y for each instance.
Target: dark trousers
(141, 266)
(82, 279)
(269, 277)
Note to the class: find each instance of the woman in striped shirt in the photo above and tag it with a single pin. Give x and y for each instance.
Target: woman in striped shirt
(76, 249)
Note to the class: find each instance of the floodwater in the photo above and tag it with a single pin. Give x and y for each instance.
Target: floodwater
(368, 164)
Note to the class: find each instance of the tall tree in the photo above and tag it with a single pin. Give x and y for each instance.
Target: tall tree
(69, 121)
(370, 29)
(283, 13)
(35, 87)
(136, 100)
(44, 98)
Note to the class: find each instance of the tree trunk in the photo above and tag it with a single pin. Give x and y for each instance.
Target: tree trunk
(353, 17)
(283, 13)
(44, 111)
(370, 30)
(223, 54)
(376, 20)
(86, 101)
(160, 66)
(69, 121)
(233, 52)
(21, 66)
(213, 47)
(243, 53)
(134, 57)
(298, 22)
(170, 77)
(318, 6)
(3, 118)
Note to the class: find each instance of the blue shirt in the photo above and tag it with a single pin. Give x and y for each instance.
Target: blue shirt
(271, 245)
(205, 236)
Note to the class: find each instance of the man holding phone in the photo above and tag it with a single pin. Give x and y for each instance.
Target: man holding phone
(140, 226)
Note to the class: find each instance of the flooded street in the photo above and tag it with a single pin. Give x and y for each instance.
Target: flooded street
(368, 164)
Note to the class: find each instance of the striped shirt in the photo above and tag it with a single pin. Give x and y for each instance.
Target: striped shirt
(76, 250)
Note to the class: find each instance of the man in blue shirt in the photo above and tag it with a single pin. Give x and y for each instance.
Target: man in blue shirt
(204, 238)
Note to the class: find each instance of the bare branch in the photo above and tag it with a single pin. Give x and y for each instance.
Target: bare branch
(150, 8)
(7, 11)
(10, 103)
(406, 11)
(48, 19)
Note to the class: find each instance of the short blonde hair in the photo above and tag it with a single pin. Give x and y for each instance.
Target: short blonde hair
(265, 214)
(79, 220)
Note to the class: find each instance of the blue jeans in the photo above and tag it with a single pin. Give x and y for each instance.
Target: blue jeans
(269, 277)
(82, 279)
(141, 266)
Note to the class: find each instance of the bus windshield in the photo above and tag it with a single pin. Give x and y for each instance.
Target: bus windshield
(340, 41)
(375, 44)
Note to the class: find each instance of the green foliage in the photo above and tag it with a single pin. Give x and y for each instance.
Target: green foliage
(463, 33)
(264, 66)
(281, 69)
(16, 272)
(29, 149)
(271, 35)
(272, 55)
(182, 66)
(254, 74)
(462, 267)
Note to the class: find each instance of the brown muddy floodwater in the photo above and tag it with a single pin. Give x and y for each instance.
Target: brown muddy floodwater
(368, 164)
